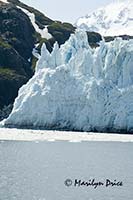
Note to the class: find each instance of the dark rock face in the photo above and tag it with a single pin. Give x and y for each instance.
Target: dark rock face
(111, 38)
(10, 58)
(10, 82)
(17, 30)
(94, 38)
(16, 43)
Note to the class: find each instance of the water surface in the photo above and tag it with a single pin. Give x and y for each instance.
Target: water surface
(37, 170)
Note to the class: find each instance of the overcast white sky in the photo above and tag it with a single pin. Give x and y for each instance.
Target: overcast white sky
(67, 10)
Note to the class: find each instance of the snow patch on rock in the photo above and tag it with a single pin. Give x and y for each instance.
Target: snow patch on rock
(78, 88)
(43, 32)
(4, 1)
(35, 53)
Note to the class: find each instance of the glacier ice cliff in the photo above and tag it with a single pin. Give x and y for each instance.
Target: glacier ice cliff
(79, 88)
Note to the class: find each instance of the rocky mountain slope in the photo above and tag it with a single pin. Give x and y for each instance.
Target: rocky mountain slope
(16, 44)
(111, 20)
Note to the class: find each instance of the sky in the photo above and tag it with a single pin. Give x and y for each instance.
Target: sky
(67, 10)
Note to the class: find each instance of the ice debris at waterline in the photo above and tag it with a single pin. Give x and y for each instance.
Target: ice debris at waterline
(79, 88)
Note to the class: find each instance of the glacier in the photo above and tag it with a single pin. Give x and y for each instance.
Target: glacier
(79, 88)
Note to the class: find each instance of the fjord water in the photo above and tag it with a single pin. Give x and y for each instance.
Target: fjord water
(38, 170)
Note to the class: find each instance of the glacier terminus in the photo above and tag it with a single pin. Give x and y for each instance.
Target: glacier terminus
(79, 88)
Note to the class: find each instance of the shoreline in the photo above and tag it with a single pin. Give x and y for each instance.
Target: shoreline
(13, 134)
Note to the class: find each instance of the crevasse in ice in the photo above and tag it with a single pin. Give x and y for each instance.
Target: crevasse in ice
(79, 88)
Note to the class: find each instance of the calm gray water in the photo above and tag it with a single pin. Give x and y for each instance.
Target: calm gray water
(37, 171)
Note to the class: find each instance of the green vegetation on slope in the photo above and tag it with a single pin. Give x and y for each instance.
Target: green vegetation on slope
(7, 72)
(61, 31)
(4, 44)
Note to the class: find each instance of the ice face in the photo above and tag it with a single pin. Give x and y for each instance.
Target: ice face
(79, 88)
